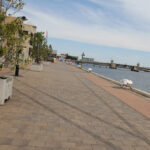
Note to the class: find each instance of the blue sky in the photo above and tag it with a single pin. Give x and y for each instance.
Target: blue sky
(103, 29)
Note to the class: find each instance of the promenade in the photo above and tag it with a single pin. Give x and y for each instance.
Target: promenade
(65, 108)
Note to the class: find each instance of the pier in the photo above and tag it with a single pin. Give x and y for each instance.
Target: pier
(66, 108)
(113, 65)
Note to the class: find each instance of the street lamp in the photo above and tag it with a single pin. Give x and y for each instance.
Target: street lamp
(82, 58)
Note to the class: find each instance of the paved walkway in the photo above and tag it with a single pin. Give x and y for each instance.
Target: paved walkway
(4, 70)
(63, 108)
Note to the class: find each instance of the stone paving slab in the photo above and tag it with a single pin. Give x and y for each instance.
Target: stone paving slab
(4, 70)
(60, 109)
(136, 101)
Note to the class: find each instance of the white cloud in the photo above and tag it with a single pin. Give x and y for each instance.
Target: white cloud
(98, 32)
(138, 8)
(107, 3)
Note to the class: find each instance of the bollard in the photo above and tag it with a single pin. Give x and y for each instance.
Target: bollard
(17, 70)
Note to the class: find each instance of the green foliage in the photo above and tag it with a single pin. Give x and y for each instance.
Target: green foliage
(27, 61)
(15, 38)
(41, 50)
(2, 51)
(11, 34)
(2, 18)
(13, 5)
(1, 66)
(50, 50)
(71, 57)
(12, 39)
(38, 41)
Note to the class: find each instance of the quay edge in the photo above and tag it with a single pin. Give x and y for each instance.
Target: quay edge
(140, 92)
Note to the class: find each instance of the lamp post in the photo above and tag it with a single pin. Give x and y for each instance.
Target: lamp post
(82, 58)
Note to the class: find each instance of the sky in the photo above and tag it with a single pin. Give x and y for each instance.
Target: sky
(103, 29)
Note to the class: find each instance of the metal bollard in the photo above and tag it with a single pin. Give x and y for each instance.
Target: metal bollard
(17, 70)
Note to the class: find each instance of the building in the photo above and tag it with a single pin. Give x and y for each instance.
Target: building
(54, 53)
(88, 59)
(29, 29)
(63, 56)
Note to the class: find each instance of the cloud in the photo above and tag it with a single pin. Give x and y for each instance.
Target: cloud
(136, 11)
(138, 8)
(103, 28)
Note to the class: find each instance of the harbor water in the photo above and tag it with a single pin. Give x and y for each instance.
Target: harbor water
(141, 80)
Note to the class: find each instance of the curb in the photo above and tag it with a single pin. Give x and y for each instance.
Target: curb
(140, 92)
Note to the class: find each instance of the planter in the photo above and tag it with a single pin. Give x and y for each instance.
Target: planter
(36, 67)
(6, 85)
(46, 63)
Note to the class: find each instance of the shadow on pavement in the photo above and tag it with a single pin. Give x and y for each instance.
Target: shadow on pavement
(107, 143)
(136, 133)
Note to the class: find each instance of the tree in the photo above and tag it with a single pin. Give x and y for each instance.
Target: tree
(11, 33)
(38, 41)
(45, 49)
(14, 45)
(15, 37)
(7, 30)
(50, 50)
(41, 50)
(1, 34)
(13, 5)
(71, 57)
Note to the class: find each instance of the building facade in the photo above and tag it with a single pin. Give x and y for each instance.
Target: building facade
(29, 29)
(88, 59)
(54, 53)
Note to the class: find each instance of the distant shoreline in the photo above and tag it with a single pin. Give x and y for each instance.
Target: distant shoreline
(135, 90)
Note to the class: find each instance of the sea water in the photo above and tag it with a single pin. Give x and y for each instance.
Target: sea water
(141, 80)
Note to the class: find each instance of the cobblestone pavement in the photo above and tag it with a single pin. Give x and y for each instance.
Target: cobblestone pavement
(60, 109)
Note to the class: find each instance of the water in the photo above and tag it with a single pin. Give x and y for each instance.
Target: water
(141, 80)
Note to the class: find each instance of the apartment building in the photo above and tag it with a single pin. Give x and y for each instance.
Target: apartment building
(29, 29)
